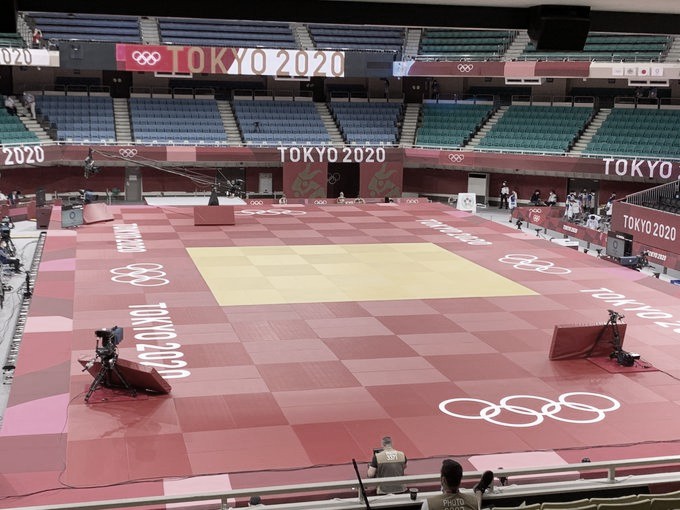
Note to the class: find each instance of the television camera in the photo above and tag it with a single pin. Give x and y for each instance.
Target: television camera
(110, 338)
(88, 165)
(107, 355)
(6, 226)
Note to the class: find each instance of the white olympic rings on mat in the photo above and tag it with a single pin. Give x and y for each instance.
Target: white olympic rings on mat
(456, 158)
(255, 202)
(525, 262)
(549, 409)
(320, 202)
(412, 201)
(143, 274)
(144, 58)
(535, 210)
(465, 68)
(127, 153)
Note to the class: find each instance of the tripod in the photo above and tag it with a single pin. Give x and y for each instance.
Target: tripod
(108, 365)
(623, 358)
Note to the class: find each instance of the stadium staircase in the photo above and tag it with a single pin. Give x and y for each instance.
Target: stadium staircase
(409, 125)
(673, 54)
(412, 42)
(148, 28)
(302, 37)
(32, 125)
(329, 124)
(229, 123)
(121, 120)
(24, 30)
(484, 130)
(517, 46)
(592, 128)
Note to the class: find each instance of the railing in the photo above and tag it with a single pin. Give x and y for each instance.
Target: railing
(654, 195)
(582, 101)
(518, 485)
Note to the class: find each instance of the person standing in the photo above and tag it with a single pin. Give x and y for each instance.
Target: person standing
(29, 103)
(37, 39)
(512, 203)
(505, 192)
(452, 497)
(386, 463)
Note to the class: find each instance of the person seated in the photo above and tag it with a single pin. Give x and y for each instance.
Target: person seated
(593, 221)
(452, 495)
(283, 200)
(536, 198)
(341, 198)
(10, 105)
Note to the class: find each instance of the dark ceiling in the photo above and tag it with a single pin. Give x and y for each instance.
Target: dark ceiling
(441, 14)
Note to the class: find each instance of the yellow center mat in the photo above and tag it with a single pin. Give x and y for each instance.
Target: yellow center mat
(258, 275)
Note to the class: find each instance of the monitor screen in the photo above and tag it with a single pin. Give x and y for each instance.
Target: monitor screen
(71, 217)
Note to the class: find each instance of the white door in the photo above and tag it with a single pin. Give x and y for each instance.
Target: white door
(266, 184)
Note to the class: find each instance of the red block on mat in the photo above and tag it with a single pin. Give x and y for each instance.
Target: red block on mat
(140, 377)
(96, 212)
(583, 341)
(214, 215)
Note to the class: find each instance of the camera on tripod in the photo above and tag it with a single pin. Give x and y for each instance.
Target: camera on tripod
(5, 228)
(110, 338)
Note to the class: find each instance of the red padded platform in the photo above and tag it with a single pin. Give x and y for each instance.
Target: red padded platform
(214, 215)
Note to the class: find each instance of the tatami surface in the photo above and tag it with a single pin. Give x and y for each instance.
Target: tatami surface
(294, 341)
(354, 272)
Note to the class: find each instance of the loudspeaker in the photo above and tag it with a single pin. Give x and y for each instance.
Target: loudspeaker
(40, 197)
(42, 217)
(559, 27)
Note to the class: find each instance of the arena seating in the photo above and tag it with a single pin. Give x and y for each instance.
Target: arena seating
(12, 130)
(638, 132)
(338, 37)
(549, 129)
(608, 47)
(11, 40)
(87, 27)
(176, 121)
(464, 44)
(368, 123)
(450, 124)
(272, 122)
(78, 118)
(239, 34)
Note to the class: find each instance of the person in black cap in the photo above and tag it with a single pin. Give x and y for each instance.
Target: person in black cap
(452, 496)
(255, 501)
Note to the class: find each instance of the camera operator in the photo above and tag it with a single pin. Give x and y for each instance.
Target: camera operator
(6, 237)
(7, 258)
